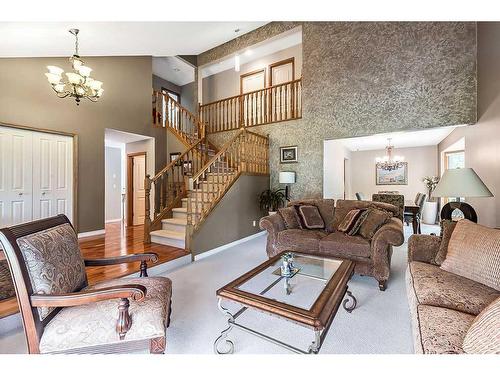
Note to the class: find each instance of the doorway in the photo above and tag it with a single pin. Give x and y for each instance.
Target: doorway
(136, 173)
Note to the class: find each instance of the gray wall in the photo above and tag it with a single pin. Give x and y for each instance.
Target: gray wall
(113, 183)
(159, 83)
(232, 218)
(362, 78)
(482, 141)
(189, 97)
(27, 99)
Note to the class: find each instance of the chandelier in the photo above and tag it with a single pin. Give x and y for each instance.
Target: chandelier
(390, 162)
(78, 84)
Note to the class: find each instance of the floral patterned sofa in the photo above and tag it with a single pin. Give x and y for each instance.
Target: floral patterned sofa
(372, 256)
(444, 304)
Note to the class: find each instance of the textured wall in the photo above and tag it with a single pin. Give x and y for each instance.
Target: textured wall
(362, 78)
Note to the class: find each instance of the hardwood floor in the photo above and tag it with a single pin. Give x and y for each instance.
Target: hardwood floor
(118, 240)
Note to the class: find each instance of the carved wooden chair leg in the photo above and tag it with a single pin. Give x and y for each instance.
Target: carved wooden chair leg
(144, 269)
(124, 321)
(169, 313)
(157, 345)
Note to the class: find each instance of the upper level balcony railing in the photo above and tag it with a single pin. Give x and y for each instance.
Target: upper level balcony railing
(275, 103)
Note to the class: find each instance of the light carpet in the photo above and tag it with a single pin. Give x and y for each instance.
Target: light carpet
(379, 324)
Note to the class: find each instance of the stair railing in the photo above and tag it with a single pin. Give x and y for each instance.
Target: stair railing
(169, 114)
(244, 152)
(272, 104)
(168, 187)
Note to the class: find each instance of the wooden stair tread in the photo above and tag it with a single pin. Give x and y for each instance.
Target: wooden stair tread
(168, 234)
(180, 209)
(175, 221)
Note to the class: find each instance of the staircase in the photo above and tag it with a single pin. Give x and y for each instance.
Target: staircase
(187, 189)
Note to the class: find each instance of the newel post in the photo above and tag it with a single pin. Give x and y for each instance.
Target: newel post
(147, 218)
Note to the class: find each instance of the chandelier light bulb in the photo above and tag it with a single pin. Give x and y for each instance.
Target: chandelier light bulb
(84, 70)
(59, 88)
(74, 78)
(53, 79)
(55, 70)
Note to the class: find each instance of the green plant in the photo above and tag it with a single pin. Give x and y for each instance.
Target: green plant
(271, 200)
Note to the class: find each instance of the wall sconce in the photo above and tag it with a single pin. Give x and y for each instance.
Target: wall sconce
(287, 178)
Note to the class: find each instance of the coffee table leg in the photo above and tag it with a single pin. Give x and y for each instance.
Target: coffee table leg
(353, 302)
(316, 344)
(224, 333)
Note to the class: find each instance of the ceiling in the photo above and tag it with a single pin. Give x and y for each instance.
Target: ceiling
(116, 138)
(418, 138)
(173, 69)
(52, 39)
(280, 42)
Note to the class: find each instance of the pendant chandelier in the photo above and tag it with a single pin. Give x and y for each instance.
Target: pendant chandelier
(78, 84)
(390, 162)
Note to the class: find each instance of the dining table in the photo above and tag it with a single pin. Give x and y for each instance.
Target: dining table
(412, 208)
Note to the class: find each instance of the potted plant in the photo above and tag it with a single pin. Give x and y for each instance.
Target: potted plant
(429, 213)
(271, 200)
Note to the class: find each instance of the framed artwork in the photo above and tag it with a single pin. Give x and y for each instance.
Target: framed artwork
(288, 154)
(174, 155)
(398, 176)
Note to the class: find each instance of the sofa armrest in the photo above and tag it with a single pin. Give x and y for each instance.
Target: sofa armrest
(423, 247)
(388, 235)
(273, 224)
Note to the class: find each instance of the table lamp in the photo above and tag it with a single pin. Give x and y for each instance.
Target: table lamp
(287, 178)
(460, 182)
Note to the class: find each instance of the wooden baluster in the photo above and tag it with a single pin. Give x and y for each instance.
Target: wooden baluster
(147, 218)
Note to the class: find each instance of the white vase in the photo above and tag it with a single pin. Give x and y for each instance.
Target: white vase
(430, 212)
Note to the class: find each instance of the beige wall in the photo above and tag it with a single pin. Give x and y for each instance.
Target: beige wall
(333, 170)
(233, 217)
(422, 161)
(482, 140)
(27, 99)
(227, 83)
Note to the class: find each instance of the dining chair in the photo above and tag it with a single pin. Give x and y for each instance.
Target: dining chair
(410, 215)
(61, 313)
(360, 196)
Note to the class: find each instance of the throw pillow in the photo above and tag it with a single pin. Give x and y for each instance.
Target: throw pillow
(474, 253)
(349, 220)
(361, 219)
(311, 217)
(374, 220)
(290, 218)
(447, 227)
(483, 336)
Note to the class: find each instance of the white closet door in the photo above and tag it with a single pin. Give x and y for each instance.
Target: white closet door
(52, 175)
(15, 176)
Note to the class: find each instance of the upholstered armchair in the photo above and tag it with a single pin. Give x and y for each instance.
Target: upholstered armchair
(61, 313)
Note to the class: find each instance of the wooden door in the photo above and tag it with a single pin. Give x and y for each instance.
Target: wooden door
(139, 194)
(282, 96)
(252, 104)
(52, 175)
(16, 201)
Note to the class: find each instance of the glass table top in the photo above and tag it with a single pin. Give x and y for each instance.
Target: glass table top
(302, 289)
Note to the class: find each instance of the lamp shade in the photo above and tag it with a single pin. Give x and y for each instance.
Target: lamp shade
(461, 182)
(287, 177)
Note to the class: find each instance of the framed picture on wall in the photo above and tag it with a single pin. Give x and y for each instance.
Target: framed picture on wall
(398, 176)
(288, 154)
(173, 156)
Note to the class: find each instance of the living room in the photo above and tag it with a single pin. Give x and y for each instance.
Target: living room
(290, 187)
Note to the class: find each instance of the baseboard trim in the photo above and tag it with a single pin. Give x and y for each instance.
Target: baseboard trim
(112, 221)
(90, 234)
(228, 245)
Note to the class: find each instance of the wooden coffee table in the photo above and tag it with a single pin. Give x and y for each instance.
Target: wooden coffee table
(310, 298)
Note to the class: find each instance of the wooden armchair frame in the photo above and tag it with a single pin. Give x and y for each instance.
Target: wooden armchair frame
(29, 301)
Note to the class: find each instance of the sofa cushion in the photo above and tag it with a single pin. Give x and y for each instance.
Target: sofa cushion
(441, 330)
(54, 262)
(436, 287)
(339, 244)
(447, 227)
(349, 220)
(483, 337)
(326, 209)
(374, 220)
(344, 206)
(474, 252)
(289, 215)
(93, 325)
(303, 240)
(311, 217)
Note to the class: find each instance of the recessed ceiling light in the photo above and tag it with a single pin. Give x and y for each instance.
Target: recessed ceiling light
(177, 70)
